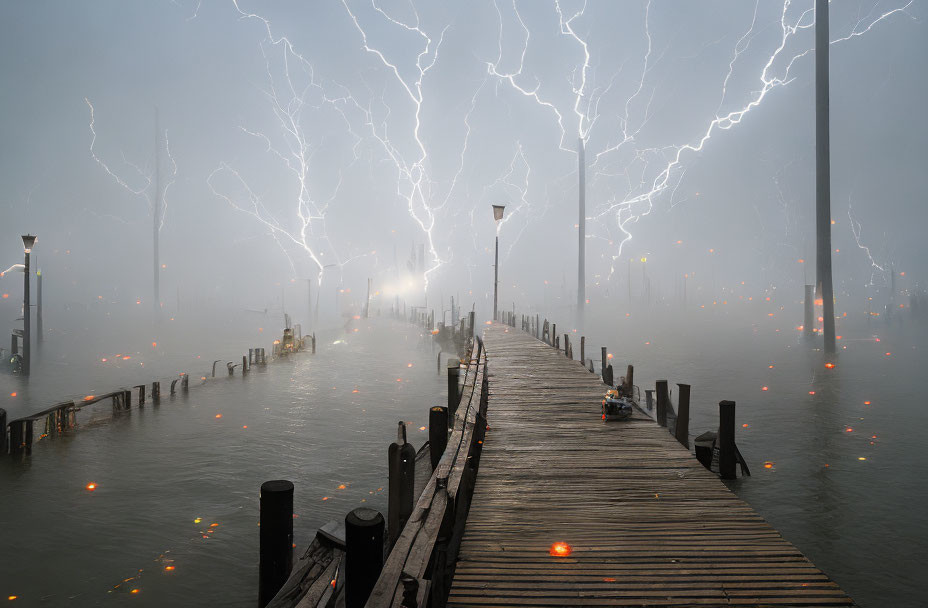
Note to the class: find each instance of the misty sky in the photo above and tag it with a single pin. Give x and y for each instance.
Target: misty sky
(267, 104)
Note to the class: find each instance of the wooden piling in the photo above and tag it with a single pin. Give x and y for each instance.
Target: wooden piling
(438, 433)
(314, 343)
(276, 538)
(567, 346)
(726, 440)
(649, 398)
(630, 380)
(251, 356)
(583, 349)
(604, 356)
(663, 401)
(401, 467)
(363, 554)
(682, 432)
(156, 391)
(454, 393)
(185, 384)
(553, 335)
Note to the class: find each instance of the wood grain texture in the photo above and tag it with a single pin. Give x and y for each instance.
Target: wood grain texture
(647, 524)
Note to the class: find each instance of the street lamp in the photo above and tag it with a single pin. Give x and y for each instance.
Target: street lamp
(497, 216)
(28, 242)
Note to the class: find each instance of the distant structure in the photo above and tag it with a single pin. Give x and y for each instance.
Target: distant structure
(823, 284)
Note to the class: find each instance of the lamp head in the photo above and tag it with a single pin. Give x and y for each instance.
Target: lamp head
(497, 212)
(28, 242)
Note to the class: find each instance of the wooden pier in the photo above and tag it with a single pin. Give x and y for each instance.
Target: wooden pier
(645, 524)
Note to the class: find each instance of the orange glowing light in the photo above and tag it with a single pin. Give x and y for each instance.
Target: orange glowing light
(218, 415)
(421, 428)
(435, 331)
(244, 426)
(90, 487)
(5, 296)
(11, 597)
(491, 322)
(134, 591)
(409, 365)
(811, 392)
(866, 403)
(12, 394)
(560, 549)
(342, 486)
(837, 337)
(888, 354)
(861, 458)
(877, 339)
(744, 425)
(355, 391)
(802, 261)
(769, 314)
(213, 525)
(88, 397)
(818, 302)
(848, 430)
(154, 344)
(609, 356)
(356, 317)
(126, 358)
(138, 301)
(764, 388)
(608, 579)
(712, 251)
(325, 498)
(830, 365)
(399, 379)
(768, 465)
(103, 359)
(648, 343)
(770, 366)
(169, 568)
(679, 242)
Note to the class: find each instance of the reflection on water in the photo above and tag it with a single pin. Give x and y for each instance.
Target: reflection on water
(173, 513)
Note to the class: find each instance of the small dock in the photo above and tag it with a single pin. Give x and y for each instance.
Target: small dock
(644, 523)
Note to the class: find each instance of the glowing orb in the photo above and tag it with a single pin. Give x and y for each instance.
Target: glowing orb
(768, 465)
(90, 487)
(560, 549)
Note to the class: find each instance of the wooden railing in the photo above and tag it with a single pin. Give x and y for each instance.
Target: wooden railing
(419, 567)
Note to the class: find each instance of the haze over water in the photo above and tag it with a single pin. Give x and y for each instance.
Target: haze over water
(287, 153)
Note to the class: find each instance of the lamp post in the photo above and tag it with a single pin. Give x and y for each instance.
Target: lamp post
(497, 216)
(28, 242)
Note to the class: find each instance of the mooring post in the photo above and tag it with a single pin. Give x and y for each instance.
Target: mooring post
(156, 391)
(314, 343)
(553, 334)
(363, 554)
(141, 388)
(401, 467)
(726, 439)
(567, 345)
(3, 445)
(663, 400)
(537, 326)
(275, 538)
(682, 432)
(244, 364)
(454, 394)
(185, 383)
(214, 368)
(630, 380)
(808, 322)
(604, 356)
(583, 349)
(251, 356)
(649, 398)
(438, 433)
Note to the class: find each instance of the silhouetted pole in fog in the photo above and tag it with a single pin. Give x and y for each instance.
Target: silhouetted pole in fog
(38, 305)
(155, 221)
(28, 242)
(497, 216)
(581, 255)
(809, 308)
(824, 285)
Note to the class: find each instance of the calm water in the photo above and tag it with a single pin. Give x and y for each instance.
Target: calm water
(177, 485)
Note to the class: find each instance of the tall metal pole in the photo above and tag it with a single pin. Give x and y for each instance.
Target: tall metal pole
(38, 305)
(27, 320)
(495, 277)
(156, 221)
(824, 286)
(581, 255)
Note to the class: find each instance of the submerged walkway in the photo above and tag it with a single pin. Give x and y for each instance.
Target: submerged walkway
(646, 523)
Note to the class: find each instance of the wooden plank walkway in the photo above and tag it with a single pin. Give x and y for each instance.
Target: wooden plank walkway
(647, 524)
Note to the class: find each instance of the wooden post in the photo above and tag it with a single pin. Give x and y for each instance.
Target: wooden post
(251, 355)
(471, 320)
(604, 357)
(16, 437)
(156, 391)
(583, 349)
(663, 400)
(609, 376)
(244, 364)
(553, 335)
(726, 439)
(276, 538)
(185, 384)
(683, 415)
(314, 343)
(566, 345)
(438, 433)
(454, 395)
(537, 325)
(630, 380)
(173, 385)
(3, 443)
(808, 320)
(401, 465)
(141, 388)
(363, 554)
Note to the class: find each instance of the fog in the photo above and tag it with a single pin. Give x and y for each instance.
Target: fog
(289, 152)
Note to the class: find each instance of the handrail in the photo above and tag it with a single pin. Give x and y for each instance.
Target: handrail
(413, 550)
